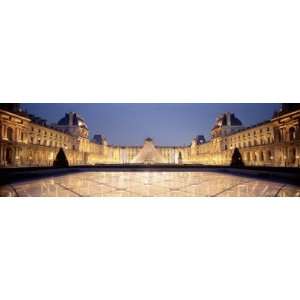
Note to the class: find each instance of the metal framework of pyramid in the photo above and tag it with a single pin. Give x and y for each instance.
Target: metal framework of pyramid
(149, 154)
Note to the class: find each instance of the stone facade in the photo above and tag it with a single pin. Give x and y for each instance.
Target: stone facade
(27, 141)
(273, 143)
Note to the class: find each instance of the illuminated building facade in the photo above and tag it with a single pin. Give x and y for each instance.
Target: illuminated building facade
(28, 141)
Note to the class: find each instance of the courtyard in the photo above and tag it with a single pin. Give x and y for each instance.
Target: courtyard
(149, 184)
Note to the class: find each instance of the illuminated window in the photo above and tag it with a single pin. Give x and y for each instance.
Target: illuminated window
(254, 156)
(261, 156)
(292, 134)
(293, 155)
(10, 133)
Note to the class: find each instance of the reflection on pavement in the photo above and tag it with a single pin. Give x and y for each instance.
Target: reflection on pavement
(140, 184)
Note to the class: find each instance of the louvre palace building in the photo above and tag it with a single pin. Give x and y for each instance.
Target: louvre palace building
(27, 141)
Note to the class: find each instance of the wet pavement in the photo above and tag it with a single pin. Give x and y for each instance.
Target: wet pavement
(146, 184)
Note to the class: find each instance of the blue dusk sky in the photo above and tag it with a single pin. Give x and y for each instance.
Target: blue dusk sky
(167, 124)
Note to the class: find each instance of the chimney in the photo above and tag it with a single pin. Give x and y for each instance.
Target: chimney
(70, 118)
(228, 116)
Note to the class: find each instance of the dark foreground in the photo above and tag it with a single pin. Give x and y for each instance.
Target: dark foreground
(154, 180)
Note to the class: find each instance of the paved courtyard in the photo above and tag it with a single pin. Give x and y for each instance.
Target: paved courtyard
(134, 184)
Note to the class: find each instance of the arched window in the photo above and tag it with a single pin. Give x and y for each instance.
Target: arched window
(254, 156)
(248, 156)
(278, 134)
(9, 156)
(292, 134)
(269, 155)
(261, 156)
(292, 155)
(10, 134)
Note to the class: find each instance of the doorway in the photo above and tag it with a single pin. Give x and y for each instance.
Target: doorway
(9, 156)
